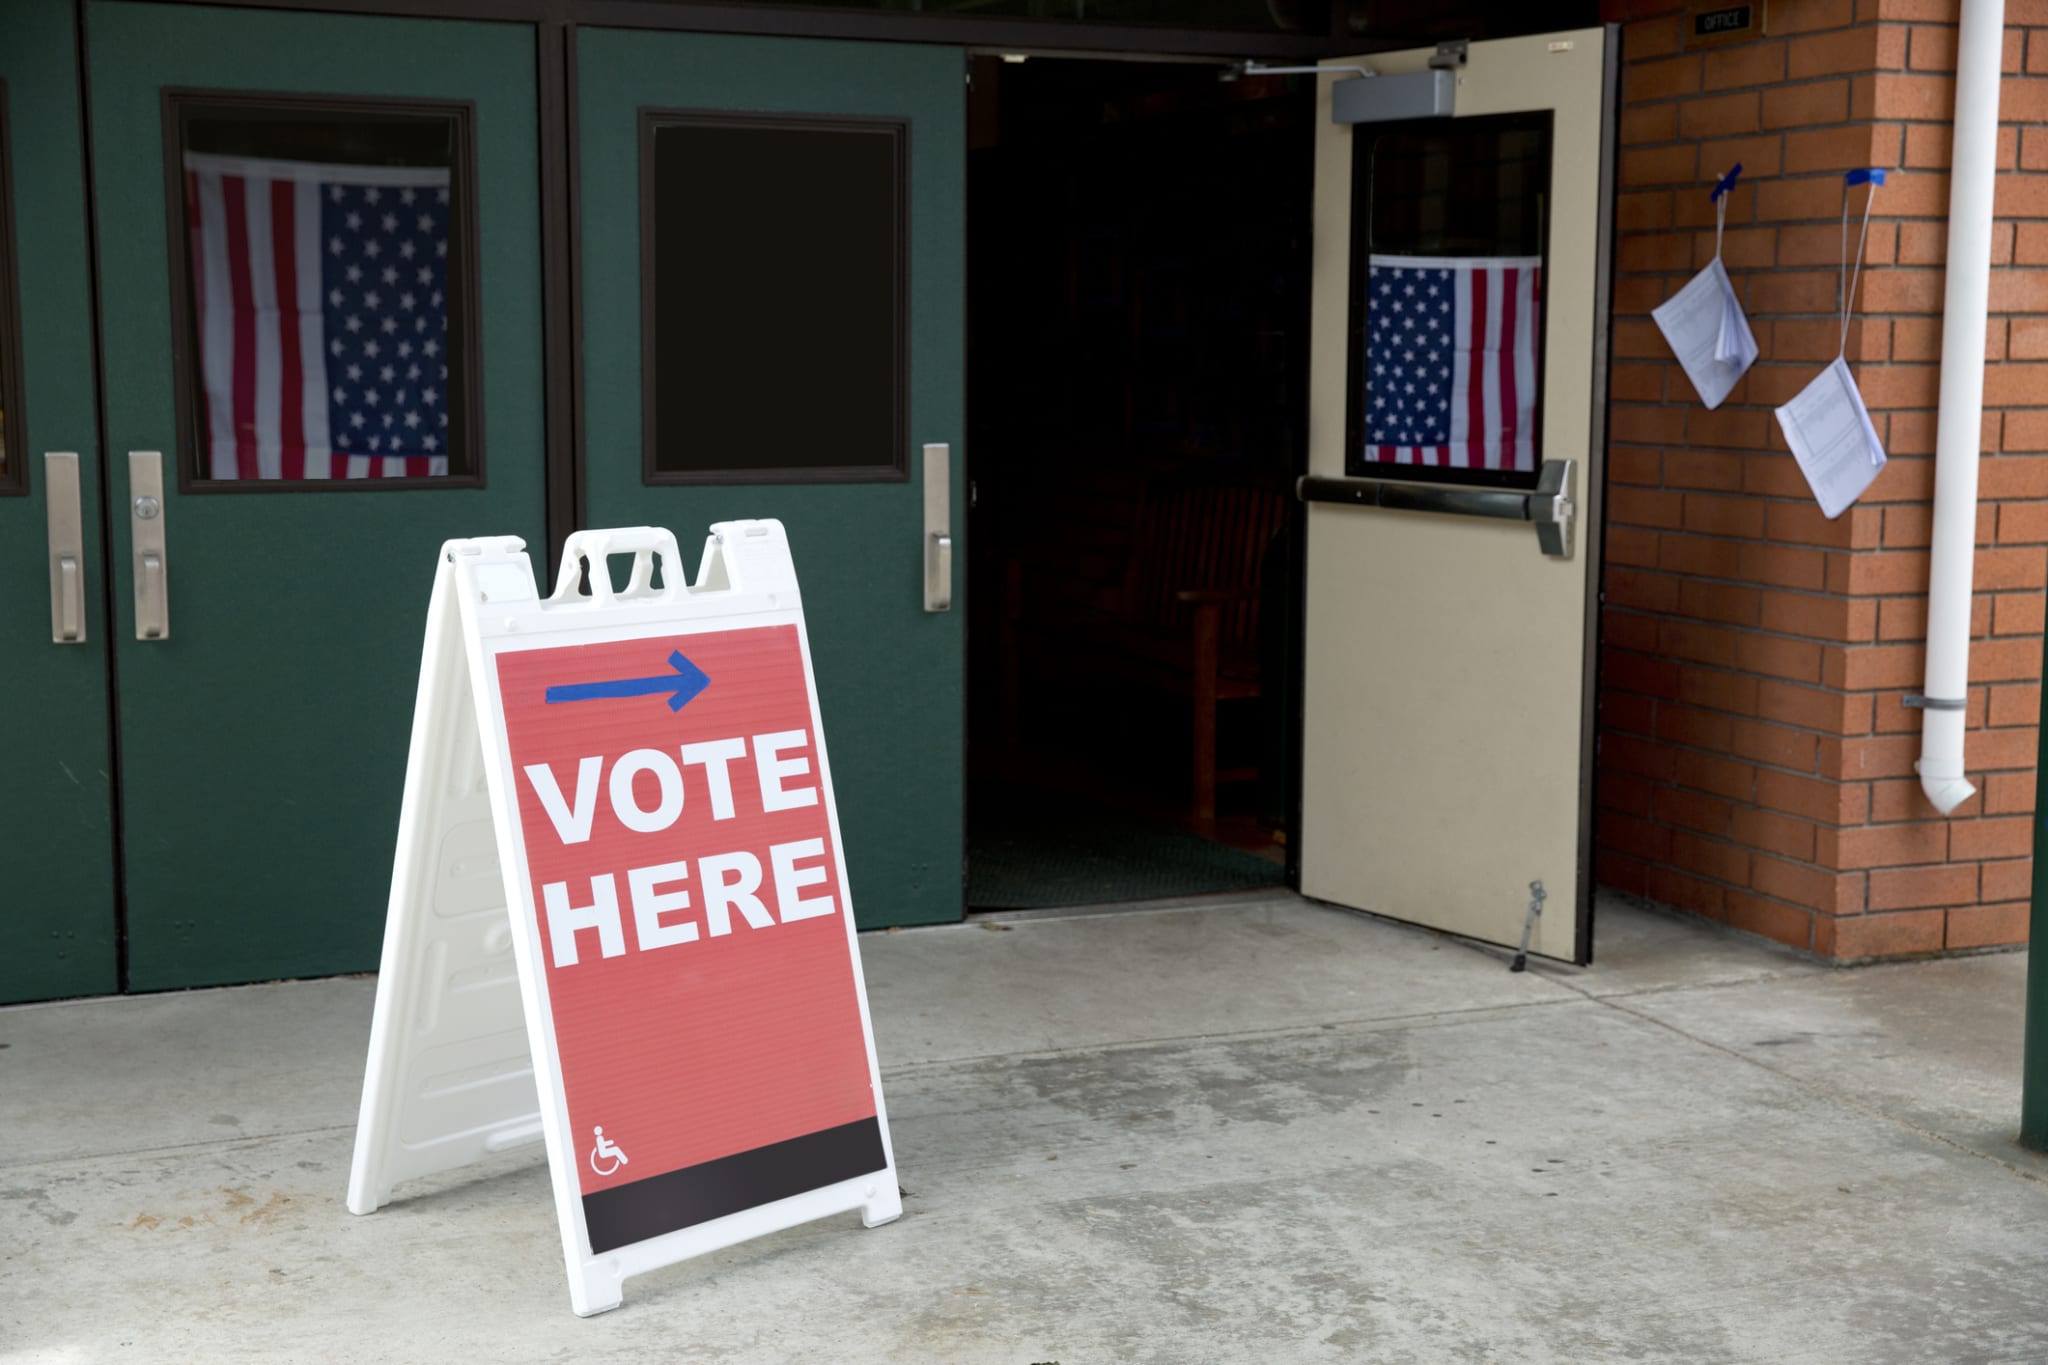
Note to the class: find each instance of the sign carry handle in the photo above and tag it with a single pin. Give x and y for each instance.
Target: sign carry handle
(592, 550)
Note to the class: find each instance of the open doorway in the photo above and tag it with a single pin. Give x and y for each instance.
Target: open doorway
(1137, 392)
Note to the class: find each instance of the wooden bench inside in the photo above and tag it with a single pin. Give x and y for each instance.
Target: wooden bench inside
(1172, 606)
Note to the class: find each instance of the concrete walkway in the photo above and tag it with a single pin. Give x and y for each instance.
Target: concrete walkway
(1256, 1131)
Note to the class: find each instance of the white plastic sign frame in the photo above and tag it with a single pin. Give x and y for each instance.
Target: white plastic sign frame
(464, 1058)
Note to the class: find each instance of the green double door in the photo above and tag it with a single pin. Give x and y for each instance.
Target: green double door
(321, 342)
(816, 198)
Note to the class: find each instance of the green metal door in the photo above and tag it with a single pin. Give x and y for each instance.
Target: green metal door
(804, 202)
(320, 287)
(57, 926)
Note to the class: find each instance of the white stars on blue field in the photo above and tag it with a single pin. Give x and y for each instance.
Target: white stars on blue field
(1410, 338)
(386, 318)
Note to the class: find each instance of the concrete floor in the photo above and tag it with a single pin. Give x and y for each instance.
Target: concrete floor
(1256, 1131)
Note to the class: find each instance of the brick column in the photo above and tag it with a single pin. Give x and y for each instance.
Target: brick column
(1756, 760)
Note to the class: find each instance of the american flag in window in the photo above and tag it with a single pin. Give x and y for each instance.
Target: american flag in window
(1450, 374)
(320, 298)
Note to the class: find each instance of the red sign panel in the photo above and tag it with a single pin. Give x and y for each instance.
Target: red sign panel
(693, 925)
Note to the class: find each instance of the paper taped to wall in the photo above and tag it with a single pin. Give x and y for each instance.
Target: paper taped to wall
(1830, 433)
(1708, 332)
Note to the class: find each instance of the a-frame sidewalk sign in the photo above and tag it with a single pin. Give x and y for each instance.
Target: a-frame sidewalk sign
(619, 916)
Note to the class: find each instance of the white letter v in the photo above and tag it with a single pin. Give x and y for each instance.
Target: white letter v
(572, 826)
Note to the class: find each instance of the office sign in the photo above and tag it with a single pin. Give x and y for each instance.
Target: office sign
(1708, 25)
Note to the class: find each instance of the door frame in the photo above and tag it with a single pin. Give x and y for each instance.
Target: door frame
(554, 24)
(1593, 531)
(946, 30)
(1290, 695)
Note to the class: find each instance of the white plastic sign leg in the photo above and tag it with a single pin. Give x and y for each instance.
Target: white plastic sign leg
(450, 1074)
(621, 804)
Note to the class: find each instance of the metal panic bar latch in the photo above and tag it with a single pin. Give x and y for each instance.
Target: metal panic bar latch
(1549, 507)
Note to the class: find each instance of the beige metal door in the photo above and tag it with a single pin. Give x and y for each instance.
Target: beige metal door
(1459, 356)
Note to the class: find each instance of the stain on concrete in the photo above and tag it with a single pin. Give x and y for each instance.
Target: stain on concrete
(37, 1202)
(1268, 1081)
(267, 1211)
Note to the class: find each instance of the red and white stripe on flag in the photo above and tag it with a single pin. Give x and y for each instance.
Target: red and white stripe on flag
(254, 230)
(1484, 414)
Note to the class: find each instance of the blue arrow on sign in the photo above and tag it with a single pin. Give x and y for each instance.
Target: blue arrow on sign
(684, 684)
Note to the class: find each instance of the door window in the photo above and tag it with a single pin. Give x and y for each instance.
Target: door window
(326, 293)
(772, 259)
(1448, 243)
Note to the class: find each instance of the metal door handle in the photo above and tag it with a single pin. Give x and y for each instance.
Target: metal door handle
(938, 572)
(151, 610)
(938, 527)
(146, 535)
(67, 547)
(68, 627)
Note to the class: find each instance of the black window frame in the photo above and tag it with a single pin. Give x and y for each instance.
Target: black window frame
(652, 120)
(1364, 141)
(14, 477)
(181, 104)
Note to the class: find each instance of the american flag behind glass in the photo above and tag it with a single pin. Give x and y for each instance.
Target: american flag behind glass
(321, 299)
(1451, 361)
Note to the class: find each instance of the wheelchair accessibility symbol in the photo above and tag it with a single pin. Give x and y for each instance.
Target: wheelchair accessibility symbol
(605, 1150)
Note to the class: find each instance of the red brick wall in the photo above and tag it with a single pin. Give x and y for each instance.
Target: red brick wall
(1756, 761)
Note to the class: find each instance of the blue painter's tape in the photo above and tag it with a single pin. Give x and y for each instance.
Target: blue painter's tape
(1873, 176)
(1727, 182)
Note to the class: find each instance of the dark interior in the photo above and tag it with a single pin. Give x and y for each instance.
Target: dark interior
(1138, 371)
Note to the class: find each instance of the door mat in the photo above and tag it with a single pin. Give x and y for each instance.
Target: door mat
(1056, 849)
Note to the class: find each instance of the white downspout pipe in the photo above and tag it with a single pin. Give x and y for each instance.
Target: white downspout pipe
(1979, 48)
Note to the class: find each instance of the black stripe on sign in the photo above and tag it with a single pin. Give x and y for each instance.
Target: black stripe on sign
(634, 1212)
